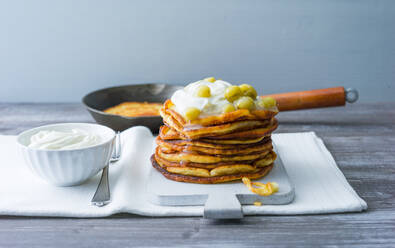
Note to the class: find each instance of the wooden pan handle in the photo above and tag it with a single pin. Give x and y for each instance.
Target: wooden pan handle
(314, 98)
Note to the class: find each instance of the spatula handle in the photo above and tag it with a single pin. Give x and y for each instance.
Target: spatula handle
(315, 98)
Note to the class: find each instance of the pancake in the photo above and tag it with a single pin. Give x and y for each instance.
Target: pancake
(235, 141)
(241, 137)
(193, 146)
(196, 132)
(259, 162)
(203, 158)
(222, 144)
(213, 179)
(248, 134)
(135, 109)
(202, 172)
(219, 171)
(238, 115)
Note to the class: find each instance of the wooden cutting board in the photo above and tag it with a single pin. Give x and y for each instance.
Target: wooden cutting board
(221, 201)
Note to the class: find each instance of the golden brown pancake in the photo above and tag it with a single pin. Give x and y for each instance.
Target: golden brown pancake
(204, 158)
(135, 109)
(259, 162)
(219, 171)
(247, 134)
(204, 172)
(193, 146)
(212, 179)
(238, 115)
(212, 143)
(196, 132)
(240, 137)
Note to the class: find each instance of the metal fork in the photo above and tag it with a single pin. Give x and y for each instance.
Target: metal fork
(102, 195)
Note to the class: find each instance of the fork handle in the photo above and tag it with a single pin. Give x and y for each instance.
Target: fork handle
(102, 195)
(321, 98)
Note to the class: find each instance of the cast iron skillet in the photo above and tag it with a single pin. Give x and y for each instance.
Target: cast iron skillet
(101, 99)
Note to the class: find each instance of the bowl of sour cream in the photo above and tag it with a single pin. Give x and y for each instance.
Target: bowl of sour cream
(66, 154)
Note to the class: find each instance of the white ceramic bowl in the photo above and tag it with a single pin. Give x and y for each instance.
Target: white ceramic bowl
(68, 167)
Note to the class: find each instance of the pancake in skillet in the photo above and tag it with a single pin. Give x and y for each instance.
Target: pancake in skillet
(135, 109)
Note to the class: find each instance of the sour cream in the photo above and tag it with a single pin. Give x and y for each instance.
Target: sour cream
(57, 140)
(213, 105)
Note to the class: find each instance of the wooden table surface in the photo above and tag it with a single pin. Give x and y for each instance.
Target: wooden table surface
(361, 137)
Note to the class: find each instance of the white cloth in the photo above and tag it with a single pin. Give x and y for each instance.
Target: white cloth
(320, 185)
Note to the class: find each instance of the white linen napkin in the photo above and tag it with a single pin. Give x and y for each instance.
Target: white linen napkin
(319, 184)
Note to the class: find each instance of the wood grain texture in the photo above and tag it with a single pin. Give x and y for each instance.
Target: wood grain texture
(361, 137)
(309, 99)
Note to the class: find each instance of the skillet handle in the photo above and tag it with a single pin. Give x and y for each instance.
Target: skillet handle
(321, 98)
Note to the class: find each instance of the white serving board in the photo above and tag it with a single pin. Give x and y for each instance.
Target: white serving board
(221, 201)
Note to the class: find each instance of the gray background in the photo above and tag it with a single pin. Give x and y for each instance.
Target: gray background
(60, 50)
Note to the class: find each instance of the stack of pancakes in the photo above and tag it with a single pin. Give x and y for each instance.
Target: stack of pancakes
(215, 149)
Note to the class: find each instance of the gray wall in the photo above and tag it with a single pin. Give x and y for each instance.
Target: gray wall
(60, 50)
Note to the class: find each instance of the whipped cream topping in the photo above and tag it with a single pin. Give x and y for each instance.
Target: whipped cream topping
(213, 105)
(56, 140)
